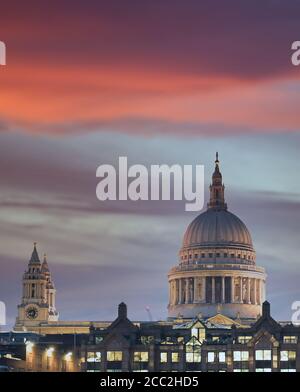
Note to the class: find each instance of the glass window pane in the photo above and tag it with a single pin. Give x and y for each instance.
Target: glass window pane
(210, 356)
(163, 357)
(284, 356)
(222, 357)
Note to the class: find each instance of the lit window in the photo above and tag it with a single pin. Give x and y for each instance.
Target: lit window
(290, 339)
(141, 356)
(244, 339)
(264, 370)
(93, 356)
(114, 356)
(193, 353)
(198, 333)
(210, 357)
(175, 357)
(263, 355)
(222, 356)
(287, 356)
(240, 356)
(163, 357)
(193, 357)
(288, 370)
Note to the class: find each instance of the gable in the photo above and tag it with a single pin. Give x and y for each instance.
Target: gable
(220, 319)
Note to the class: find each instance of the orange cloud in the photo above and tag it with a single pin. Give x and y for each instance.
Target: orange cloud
(37, 95)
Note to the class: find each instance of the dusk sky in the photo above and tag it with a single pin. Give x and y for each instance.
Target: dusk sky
(158, 82)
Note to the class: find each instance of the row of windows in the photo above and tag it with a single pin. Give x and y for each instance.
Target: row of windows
(211, 255)
(193, 354)
(200, 334)
(286, 339)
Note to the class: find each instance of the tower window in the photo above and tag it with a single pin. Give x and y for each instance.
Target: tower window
(33, 290)
(203, 255)
(196, 256)
(225, 255)
(218, 254)
(232, 255)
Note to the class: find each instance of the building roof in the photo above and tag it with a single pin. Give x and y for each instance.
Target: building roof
(217, 226)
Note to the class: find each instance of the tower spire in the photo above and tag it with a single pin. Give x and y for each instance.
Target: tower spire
(217, 189)
(34, 256)
(45, 267)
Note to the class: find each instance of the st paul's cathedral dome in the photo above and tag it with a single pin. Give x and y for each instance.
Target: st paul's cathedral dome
(217, 269)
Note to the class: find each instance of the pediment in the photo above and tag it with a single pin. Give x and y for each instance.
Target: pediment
(221, 319)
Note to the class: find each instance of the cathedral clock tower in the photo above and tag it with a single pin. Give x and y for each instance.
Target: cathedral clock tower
(38, 299)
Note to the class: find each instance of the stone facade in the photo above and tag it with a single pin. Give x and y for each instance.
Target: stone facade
(217, 268)
(38, 296)
(217, 344)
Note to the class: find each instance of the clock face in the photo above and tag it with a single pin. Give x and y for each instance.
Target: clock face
(32, 313)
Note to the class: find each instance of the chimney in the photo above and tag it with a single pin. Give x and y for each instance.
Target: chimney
(122, 311)
(266, 312)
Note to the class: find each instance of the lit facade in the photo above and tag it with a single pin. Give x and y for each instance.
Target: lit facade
(218, 317)
(217, 268)
(218, 344)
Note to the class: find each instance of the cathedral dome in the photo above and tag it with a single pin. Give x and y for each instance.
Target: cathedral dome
(217, 233)
(217, 227)
(217, 271)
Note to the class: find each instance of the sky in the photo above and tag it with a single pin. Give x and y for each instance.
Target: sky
(158, 82)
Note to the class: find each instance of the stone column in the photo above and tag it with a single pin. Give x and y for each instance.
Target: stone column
(179, 291)
(223, 290)
(259, 291)
(232, 290)
(241, 290)
(172, 293)
(203, 295)
(213, 288)
(187, 287)
(254, 289)
(196, 296)
(248, 290)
